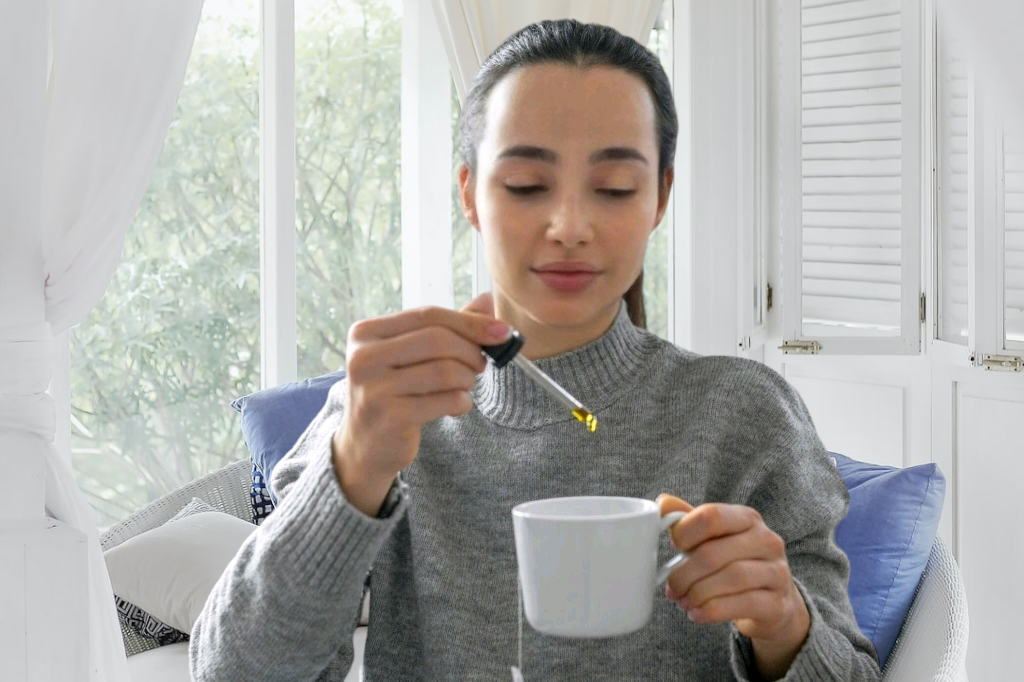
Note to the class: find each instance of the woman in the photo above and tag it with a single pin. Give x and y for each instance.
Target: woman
(568, 136)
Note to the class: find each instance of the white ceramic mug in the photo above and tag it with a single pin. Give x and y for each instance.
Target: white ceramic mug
(588, 565)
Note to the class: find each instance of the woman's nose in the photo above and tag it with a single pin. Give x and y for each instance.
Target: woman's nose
(569, 224)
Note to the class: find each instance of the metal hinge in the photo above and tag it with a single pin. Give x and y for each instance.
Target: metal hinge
(923, 308)
(1003, 363)
(768, 296)
(800, 347)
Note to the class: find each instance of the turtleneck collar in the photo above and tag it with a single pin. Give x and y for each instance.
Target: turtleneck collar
(596, 374)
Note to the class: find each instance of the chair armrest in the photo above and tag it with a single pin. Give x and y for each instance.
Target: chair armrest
(932, 644)
(226, 489)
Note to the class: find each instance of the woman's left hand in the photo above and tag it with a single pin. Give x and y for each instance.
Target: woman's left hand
(736, 570)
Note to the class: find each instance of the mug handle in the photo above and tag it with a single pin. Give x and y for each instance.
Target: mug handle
(667, 521)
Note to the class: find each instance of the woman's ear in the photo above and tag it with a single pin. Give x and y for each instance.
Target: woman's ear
(664, 191)
(467, 196)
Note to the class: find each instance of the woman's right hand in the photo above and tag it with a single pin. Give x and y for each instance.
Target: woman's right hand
(404, 370)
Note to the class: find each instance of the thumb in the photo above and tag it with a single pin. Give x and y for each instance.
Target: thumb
(669, 503)
(484, 304)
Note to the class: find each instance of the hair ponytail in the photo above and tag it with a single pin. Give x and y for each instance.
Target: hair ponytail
(634, 298)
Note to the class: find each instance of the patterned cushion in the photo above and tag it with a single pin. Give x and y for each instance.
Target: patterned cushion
(146, 625)
(262, 505)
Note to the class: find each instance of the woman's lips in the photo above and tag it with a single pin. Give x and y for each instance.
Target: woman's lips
(567, 281)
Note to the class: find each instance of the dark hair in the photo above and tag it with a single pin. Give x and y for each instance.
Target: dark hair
(568, 41)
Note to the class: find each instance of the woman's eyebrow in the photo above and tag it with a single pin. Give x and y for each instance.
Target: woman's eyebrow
(618, 154)
(525, 151)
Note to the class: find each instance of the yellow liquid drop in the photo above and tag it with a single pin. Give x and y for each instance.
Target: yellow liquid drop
(587, 418)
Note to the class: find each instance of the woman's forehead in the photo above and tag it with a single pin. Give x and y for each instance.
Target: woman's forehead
(559, 105)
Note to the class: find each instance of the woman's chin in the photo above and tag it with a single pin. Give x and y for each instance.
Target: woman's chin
(571, 312)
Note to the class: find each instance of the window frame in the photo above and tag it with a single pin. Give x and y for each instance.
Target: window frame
(986, 266)
(787, 86)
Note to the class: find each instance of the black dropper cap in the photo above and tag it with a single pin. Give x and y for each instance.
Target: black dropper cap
(503, 353)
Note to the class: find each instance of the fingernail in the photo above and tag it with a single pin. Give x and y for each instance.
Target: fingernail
(669, 594)
(499, 331)
(696, 615)
(684, 603)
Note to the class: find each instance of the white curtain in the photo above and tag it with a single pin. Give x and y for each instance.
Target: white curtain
(991, 31)
(116, 70)
(472, 29)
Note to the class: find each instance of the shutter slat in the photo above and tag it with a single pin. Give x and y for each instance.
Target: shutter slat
(849, 98)
(860, 28)
(872, 149)
(859, 167)
(831, 253)
(853, 276)
(864, 220)
(847, 11)
(852, 185)
(868, 203)
(840, 47)
(838, 236)
(859, 80)
(852, 115)
(883, 132)
(853, 63)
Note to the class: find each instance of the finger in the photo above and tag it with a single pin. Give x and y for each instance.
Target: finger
(709, 521)
(427, 378)
(713, 555)
(427, 408)
(751, 608)
(422, 345)
(483, 304)
(737, 577)
(476, 327)
(670, 503)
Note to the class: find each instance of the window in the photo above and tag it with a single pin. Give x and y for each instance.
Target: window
(855, 248)
(177, 336)
(980, 219)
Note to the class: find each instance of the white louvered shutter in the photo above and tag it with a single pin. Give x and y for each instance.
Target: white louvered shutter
(1013, 245)
(860, 128)
(953, 141)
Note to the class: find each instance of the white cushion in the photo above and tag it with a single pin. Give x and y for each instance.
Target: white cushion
(169, 571)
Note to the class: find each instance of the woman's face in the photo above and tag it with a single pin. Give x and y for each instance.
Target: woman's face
(566, 193)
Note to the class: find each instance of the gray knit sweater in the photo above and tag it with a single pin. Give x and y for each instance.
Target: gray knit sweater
(444, 591)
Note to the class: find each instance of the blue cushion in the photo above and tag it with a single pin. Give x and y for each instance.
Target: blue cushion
(274, 418)
(887, 535)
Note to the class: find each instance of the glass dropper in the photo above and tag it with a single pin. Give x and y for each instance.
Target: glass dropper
(504, 353)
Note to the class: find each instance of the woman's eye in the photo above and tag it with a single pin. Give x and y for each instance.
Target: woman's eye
(525, 190)
(616, 193)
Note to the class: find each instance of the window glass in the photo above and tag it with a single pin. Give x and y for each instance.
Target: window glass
(348, 180)
(175, 339)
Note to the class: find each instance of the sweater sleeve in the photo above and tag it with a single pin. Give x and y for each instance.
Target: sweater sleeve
(802, 497)
(287, 605)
